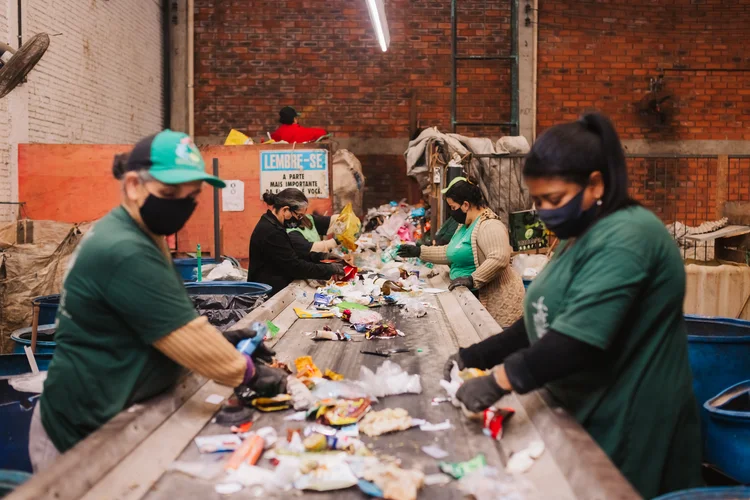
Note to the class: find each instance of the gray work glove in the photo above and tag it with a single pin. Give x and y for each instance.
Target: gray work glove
(337, 269)
(261, 352)
(267, 381)
(466, 281)
(449, 365)
(407, 251)
(480, 393)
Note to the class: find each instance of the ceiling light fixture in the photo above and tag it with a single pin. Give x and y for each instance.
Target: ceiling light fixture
(379, 22)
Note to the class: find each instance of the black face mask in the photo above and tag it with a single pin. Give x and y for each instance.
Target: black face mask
(165, 216)
(459, 215)
(569, 220)
(291, 223)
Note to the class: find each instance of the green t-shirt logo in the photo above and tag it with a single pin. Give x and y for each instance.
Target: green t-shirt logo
(540, 317)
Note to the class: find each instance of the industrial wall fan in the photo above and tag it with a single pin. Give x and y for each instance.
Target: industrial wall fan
(16, 64)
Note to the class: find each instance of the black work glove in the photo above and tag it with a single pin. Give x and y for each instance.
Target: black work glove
(466, 281)
(406, 251)
(261, 352)
(449, 365)
(267, 381)
(337, 269)
(480, 393)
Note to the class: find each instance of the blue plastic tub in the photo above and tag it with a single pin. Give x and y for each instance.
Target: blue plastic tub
(188, 268)
(16, 409)
(11, 479)
(727, 439)
(48, 305)
(730, 493)
(227, 288)
(18, 364)
(45, 339)
(719, 351)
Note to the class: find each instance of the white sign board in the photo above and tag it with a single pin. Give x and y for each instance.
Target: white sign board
(306, 170)
(233, 197)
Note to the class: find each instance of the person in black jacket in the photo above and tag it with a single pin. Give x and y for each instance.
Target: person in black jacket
(273, 259)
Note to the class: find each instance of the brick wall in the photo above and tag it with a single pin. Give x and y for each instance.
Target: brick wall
(601, 54)
(254, 57)
(5, 180)
(99, 82)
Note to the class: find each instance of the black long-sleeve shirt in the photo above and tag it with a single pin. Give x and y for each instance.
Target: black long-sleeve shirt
(273, 259)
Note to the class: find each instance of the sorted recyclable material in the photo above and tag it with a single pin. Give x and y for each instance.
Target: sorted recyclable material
(322, 300)
(249, 452)
(381, 422)
(325, 475)
(306, 368)
(327, 334)
(217, 443)
(340, 412)
(226, 271)
(488, 483)
(435, 452)
(302, 398)
(346, 228)
(395, 482)
(389, 380)
(523, 460)
(494, 421)
(277, 403)
(461, 469)
(307, 314)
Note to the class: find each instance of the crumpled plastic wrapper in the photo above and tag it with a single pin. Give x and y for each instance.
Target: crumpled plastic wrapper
(302, 398)
(395, 482)
(389, 380)
(377, 423)
(489, 484)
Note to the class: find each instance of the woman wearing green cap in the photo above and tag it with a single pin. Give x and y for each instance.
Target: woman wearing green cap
(478, 253)
(125, 326)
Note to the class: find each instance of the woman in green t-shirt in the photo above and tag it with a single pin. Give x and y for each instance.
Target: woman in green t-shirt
(478, 253)
(603, 327)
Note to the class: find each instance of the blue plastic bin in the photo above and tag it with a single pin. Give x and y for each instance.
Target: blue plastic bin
(227, 288)
(727, 439)
(188, 268)
(16, 409)
(45, 339)
(526, 283)
(719, 351)
(48, 305)
(722, 493)
(18, 364)
(10, 479)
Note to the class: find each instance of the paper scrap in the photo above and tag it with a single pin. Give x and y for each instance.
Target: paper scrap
(227, 488)
(434, 290)
(214, 399)
(435, 452)
(218, 443)
(433, 479)
(296, 417)
(443, 426)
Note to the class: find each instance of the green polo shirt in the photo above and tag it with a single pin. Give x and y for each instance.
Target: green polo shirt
(121, 294)
(620, 287)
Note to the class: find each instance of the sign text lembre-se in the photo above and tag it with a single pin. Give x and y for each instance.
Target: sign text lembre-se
(306, 170)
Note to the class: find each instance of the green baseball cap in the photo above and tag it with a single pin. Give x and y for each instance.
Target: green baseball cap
(172, 158)
(452, 183)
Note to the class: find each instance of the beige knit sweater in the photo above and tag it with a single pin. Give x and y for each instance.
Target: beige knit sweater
(501, 289)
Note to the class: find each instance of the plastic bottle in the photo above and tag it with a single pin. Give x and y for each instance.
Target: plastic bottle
(248, 346)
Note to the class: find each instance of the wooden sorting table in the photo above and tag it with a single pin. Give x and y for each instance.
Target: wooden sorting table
(128, 457)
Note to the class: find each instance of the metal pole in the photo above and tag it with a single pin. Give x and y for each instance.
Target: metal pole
(20, 25)
(217, 227)
(514, 66)
(454, 53)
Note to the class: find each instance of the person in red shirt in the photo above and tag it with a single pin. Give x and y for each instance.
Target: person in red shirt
(291, 131)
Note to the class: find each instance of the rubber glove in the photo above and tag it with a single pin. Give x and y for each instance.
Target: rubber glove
(480, 393)
(466, 281)
(449, 365)
(407, 251)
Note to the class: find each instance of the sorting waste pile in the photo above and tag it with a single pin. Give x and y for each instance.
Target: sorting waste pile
(338, 429)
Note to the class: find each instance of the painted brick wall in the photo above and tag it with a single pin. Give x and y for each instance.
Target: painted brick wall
(5, 181)
(254, 57)
(99, 82)
(600, 54)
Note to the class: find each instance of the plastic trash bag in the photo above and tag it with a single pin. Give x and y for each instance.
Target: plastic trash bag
(346, 228)
(488, 483)
(226, 272)
(223, 311)
(389, 379)
(342, 389)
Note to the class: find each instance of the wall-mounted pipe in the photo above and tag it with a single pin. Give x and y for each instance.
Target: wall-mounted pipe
(535, 65)
(191, 67)
(166, 64)
(20, 24)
